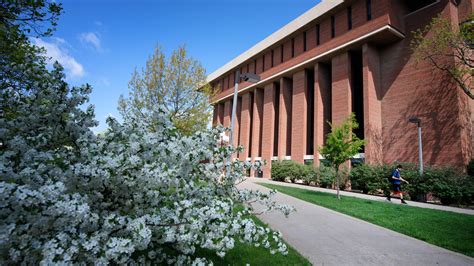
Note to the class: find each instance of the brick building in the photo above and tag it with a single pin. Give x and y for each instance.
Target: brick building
(341, 57)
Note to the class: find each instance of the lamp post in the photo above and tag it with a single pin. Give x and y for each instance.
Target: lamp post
(417, 121)
(252, 78)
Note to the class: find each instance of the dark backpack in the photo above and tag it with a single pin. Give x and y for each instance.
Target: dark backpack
(389, 178)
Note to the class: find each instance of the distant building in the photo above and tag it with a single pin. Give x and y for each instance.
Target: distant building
(341, 57)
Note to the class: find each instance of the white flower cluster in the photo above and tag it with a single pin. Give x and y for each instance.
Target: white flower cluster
(134, 194)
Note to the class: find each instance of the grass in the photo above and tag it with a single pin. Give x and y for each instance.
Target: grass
(243, 254)
(453, 231)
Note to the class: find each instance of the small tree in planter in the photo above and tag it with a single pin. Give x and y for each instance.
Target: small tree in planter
(341, 145)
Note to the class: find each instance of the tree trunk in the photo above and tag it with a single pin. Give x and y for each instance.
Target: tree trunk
(337, 182)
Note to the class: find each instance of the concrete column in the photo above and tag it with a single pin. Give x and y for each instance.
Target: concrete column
(257, 125)
(341, 88)
(322, 107)
(372, 105)
(227, 112)
(245, 125)
(284, 129)
(299, 116)
(268, 127)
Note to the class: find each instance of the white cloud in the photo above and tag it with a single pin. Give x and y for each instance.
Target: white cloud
(57, 51)
(91, 38)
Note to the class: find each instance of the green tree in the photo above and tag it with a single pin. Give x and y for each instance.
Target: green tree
(21, 61)
(448, 48)
(176, 85)
(341, 145)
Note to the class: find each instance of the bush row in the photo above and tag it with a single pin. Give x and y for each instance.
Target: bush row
(445, 183)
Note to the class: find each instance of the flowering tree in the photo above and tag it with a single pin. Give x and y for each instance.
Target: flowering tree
(130, 195)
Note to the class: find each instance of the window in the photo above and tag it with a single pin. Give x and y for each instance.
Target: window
(247, 68)
(228, 82)
(349, 18)
(281, 54)
(304, 41)
(272, 59)
(222, 84)
(263, 63)
(292, 47)
(318, 40)
(368, 6)
(255, 66)
(333, 26)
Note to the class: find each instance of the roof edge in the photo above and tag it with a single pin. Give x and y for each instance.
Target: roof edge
(296, 24)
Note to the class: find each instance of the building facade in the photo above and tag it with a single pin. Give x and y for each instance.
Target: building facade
(341, 57)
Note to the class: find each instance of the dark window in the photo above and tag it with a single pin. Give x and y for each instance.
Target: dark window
(304, 41)
(255, 66)
(333, 26)
(318, 40)
(281, 54)
(292, 47)
(222, 84)
(368, 5)
(247, 68)
(272, 58)
(228, 81)
(263, 63)
(349, 18)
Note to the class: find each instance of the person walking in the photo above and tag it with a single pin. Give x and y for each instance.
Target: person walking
(396, 180)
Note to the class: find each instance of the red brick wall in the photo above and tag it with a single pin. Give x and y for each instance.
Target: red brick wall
(227, 112)
(287, 50)
(268, 128)
(299, 116)
(372, 104)
(245, 125)
(257, 123)
(422, 91)
(277, 55)
(322, 106)
(299, 44)
(310, 38)
(284, 124)
(341, 88)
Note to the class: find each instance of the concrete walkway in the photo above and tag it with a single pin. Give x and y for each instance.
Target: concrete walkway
(327, 237)
(364, 196)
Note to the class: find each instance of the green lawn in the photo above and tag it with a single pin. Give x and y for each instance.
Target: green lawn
(243, 254)
(449, 230)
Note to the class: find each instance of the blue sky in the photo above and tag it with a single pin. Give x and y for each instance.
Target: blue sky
(102, 42)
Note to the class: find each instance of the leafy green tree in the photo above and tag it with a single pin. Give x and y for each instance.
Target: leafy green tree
(341, 145)
(21, 61)
(448, 48)
(176, 85)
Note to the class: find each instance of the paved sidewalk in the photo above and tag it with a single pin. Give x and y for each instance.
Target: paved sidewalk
(327, 237)
(364, 196)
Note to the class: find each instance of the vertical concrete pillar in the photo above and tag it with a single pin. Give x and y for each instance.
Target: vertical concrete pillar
(284, 134)
(299, 116)
(245, 125)
(322, 107)
(341, 88)
(268, 127)
(372, 105)
(257, 125)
